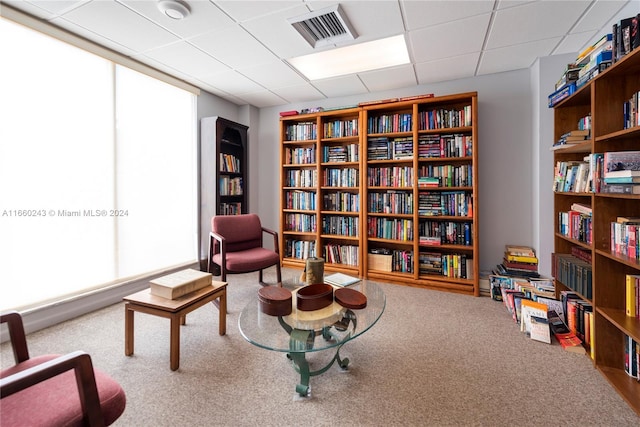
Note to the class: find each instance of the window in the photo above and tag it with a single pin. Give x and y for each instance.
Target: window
(98, 173)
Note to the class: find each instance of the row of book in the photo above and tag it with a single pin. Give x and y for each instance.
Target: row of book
(340, 225)
(229, 163)
(449, 203)
(576, 225)
(573, 272)
(459, 266)
(301, 200)
(230, 208)
(341, 201)
(230, 186)
(340, 128)
(301, 178)
(448, 145)
(341, 177)
(630, 110)
(387, 123)
(390, 228)
(435, 233)
(609, 172)
(445, 118)
(625, 237)
(532, 305)
(299, 249)
(395, 202)
(304, 223)
(340, 153)
(301, 131)
(632, 357)
(445, 176)
(341, 254)
(383, 148)
(392, 176)
(300, 156)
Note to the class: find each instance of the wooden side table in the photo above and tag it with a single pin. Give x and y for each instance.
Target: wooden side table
(176, 310)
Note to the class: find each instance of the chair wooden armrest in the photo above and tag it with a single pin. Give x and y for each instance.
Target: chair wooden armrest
(275, 238)
(213, 236)
(16, 335)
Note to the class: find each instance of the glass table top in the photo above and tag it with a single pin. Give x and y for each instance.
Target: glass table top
(342, 324)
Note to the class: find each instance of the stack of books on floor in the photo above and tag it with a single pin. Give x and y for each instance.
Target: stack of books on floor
(519, 261)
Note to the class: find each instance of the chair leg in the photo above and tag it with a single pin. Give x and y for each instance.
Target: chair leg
(279, 274)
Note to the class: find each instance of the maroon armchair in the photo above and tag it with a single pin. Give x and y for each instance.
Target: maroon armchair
(236, 245)
(54, 390)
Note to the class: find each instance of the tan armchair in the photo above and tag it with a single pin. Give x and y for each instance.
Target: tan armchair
(236, 245)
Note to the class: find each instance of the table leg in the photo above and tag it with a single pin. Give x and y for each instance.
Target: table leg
(128, 330)
(222, 327)
(174, 346)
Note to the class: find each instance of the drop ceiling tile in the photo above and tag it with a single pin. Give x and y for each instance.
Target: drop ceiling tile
(457, 67)
(117, 23)
(574, 43)
(592, 20)
(186, 58)
(272, 74)
(426, 14)
(389, 78)
(262, 99)
(278, 35)
(245, 50)
(232, 82)
(424, 44)
(204, 16)
(51, 7)
(94, 37)
(544, 19)
(515, 57)
(245, 10)
(340, 86)
(299, 93)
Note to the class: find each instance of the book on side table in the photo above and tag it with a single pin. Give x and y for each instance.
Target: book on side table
(340, 279)
(180, 283)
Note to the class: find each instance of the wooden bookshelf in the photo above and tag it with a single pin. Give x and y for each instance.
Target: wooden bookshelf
(387, 190)
(603, 99)
(223, 172)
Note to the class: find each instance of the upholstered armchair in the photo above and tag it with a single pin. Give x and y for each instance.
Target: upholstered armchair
(236, 245)
(55, 390)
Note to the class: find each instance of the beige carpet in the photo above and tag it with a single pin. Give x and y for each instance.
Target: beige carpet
(433, 359)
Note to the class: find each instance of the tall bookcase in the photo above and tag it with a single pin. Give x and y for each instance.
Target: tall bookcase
(223, 172)
(400, 194)
(321, 198)
(603, 98)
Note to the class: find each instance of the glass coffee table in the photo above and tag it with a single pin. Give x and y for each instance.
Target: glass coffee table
(303, 332)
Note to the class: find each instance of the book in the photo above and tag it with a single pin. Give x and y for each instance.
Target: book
(620, 188)
(621, 164)
(512, 265)
(520, 258)
(540, 330)
(180, 283)
(340, 279)
(519, 250)
(632, 284)
(622, 180)
(552, 305)
(528, 309)
(567, 339)
(288, 113)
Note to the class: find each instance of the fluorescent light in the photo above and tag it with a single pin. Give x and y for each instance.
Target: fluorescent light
(356, 58)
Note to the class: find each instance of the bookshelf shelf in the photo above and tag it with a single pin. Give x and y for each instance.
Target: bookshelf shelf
(390, 140)
(603, 98)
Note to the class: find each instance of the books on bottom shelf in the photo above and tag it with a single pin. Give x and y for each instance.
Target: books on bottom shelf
(632, 357)
(567, 339)
(180, 283)
(340, 279)
(633, 295)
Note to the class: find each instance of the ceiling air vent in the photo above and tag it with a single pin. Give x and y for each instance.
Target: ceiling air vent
(324, 27)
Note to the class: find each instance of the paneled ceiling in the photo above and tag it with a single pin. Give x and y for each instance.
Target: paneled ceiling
(239, 49)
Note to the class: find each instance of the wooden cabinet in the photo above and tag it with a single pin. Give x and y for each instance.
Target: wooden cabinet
(223, 173)
(385, 191)
(603, 98)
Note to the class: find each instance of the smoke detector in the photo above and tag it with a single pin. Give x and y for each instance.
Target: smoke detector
(324, 27)
(174, 9)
